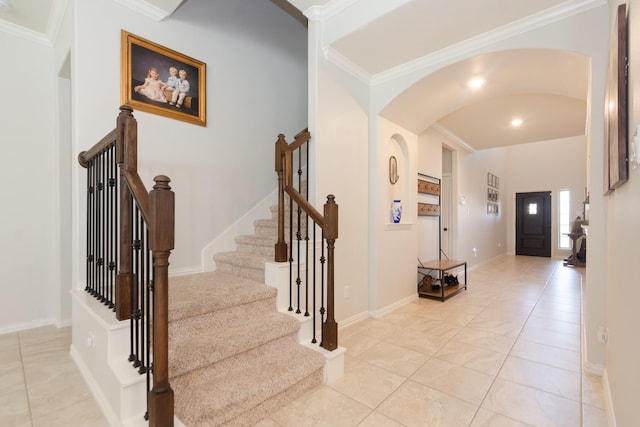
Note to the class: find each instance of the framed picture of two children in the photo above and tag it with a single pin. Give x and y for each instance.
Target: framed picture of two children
(162, 81)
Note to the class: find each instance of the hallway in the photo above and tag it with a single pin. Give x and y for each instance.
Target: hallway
(505, 353)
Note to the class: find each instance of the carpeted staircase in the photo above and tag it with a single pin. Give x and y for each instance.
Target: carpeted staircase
(233, 359)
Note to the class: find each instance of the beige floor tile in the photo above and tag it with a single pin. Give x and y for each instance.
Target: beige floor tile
(45, 333)
(547, 355)
(11, 377)
(556, 315)
(463, 383)
(48, 367)
(547, 378)
(472, 357)
(551, 338)
(440, 328)
(322, 406)
(376, 419)
(531, 406)
(9, 341)
(374, 328)
(396, 359)
(568, 328)
(366, 383)
(64, 389)
(497, 326)
(356, 344)
(485, 339)
(83, 413)
(415, 404)
(420, 341)
(486, 418)
(593, 417)
(14, 408)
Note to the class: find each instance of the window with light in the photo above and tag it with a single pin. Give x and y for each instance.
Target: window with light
(564, 219)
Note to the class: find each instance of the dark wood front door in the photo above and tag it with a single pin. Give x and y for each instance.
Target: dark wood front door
(533, 224)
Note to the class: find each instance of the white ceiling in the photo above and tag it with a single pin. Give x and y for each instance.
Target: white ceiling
(548, 89)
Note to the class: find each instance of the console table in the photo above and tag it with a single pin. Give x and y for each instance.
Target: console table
(443, 291)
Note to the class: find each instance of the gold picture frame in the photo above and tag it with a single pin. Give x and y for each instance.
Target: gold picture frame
(146, 80)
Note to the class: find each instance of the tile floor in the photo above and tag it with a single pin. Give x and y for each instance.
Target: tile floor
(504, 353)
(40, 384)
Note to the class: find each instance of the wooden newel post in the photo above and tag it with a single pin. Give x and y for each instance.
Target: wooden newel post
(126, 126)
(330, 329)
(161, 242)
(281, 245)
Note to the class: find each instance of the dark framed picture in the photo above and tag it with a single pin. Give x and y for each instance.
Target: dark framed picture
(617, 166)
(162, 81)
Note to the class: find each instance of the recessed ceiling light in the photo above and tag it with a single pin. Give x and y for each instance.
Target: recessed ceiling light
(516, 122)
(5, 5)
(476, 83)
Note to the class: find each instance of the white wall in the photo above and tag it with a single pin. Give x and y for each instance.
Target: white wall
(530, 168)
(396, 245)
(28, 255)
(622, 254)
(339, 128)
(256, 89)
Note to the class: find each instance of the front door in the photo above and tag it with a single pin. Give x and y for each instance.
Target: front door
(533, 224)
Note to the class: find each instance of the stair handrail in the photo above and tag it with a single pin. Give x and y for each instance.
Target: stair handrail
(328, 222)
(157, 208)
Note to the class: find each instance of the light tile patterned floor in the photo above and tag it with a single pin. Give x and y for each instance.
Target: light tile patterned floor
(41, 385)
(504, 353)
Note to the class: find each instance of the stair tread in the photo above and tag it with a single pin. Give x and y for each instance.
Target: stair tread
(231, 387)
(254, 239)
(195, 294)
(226, 337)
(243, 259)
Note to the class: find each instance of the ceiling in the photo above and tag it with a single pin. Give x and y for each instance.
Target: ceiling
(547, 89)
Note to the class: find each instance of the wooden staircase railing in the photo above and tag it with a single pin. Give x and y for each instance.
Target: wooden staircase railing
(285, 162)
(134, 229)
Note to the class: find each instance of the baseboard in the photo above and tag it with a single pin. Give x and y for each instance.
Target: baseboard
(608, 400)
(353, 320)
(98, 396)
(28, 325)
(392, 307)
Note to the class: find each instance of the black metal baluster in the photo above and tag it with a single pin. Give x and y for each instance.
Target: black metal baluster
(96, 227)
(313, 340)
(306, 238)
(136, 283)
(113, 191)
(116, 223)
(103, 229)
(322, 309)
(143, 293)
(89, 242)
(290, 253)
(134, 278)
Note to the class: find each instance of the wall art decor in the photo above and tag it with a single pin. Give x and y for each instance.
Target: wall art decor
(617, 165)
(162, 81)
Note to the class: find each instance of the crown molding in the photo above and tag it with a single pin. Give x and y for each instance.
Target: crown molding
(347, 65)
(446, 132)
(24, 33)
(145, 8)
(460, 50)
(329, 10)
